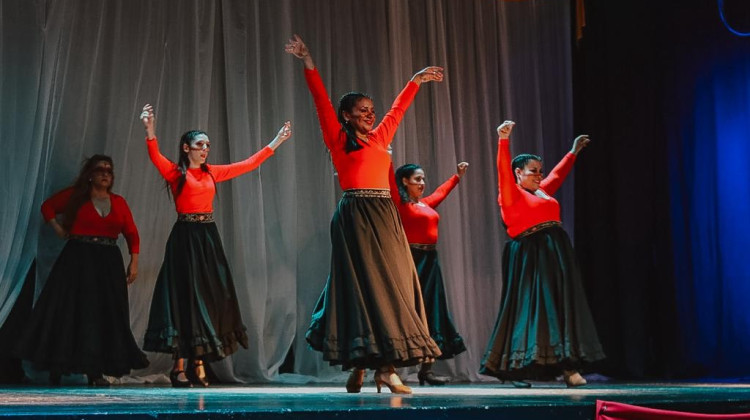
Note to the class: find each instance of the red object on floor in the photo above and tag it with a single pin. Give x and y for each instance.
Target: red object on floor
(608, 410)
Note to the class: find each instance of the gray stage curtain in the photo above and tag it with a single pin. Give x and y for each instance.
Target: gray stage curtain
(74, 75)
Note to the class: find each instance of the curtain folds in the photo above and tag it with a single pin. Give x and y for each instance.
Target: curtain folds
(75, 74)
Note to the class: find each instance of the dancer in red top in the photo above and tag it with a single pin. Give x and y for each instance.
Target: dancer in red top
(194, 312)
(544, 326)
(81, 321)
(366, 316)
(420, 222)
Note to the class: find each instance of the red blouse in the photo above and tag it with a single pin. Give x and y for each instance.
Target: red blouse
(366, 167)
(88, 222)
(198, 192)
(420, 220)
(519, 208)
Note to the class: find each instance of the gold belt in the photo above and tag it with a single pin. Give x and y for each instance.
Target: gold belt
(367, 193)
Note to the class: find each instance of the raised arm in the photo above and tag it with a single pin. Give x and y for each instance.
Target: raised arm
(433, 200)
(232, 170)
(387, 127)
(554, 180)
(506, 184)
(329, 122)
(165, 166)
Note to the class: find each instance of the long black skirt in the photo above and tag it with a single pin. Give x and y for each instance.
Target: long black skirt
(194, 311)
(370, 313)
(81, 321)
(544, 324)
(439, 318)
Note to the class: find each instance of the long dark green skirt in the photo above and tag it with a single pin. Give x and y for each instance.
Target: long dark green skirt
(194, 311)
(81, 321)
(439, 319)
(544, 324)
(370, 313)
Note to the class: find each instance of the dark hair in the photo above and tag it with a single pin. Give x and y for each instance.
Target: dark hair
(347, 104)
(183, 162)
(405, 171)
(520, 161)
(82, 188)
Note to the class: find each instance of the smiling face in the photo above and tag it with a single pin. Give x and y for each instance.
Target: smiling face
(530, 176)
(415, 184)
(197, 151)
(102, 175)
(361, 117)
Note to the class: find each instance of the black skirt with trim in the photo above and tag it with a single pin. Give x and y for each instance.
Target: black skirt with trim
(370, 313)
(439, 318)
(81, 321)
(544, 325)
(194, 310)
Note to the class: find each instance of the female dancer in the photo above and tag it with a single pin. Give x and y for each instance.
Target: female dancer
(81, 322)
(194, 312)
(366, 316)
(421, 225)
(544, 327)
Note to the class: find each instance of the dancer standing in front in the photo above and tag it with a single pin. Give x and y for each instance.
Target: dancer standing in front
(544, 327)
(370, 314)
(420, 222)
(194, 314)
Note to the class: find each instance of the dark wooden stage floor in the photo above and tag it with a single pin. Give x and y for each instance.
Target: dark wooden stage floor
(461, 401)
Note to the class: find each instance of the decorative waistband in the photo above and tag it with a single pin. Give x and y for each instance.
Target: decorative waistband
(195, 217)
(99, 240)
(537, 228)
(423, 247)
(367, 193)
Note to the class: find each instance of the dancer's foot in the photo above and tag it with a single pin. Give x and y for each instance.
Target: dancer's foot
(387, 376)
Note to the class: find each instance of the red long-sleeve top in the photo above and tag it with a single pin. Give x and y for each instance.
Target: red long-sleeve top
(197, 195)
(420, 219)
(519, 208)
(88, 222)
(367, 167)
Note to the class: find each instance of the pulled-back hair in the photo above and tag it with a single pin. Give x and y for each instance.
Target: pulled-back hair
(82, 189)
(405, 171)
(183, 162)
(347, 104)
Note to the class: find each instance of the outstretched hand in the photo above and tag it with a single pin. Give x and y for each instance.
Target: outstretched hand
(461, 169)
(296, 46)
(149, 120)
(284, 133)
(428, 74)
(579, 143)
(504, 129)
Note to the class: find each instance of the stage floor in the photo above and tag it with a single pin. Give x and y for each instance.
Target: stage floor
(471, 401)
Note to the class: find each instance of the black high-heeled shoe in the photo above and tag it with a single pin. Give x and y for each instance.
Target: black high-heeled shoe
(174, 378)
(425, 374)
(198, 374)
(96, 379)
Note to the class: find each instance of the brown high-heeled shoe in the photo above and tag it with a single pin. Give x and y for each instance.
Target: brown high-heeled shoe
(573, 378)
(355, 381)
(395, 388)
(198, 375)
